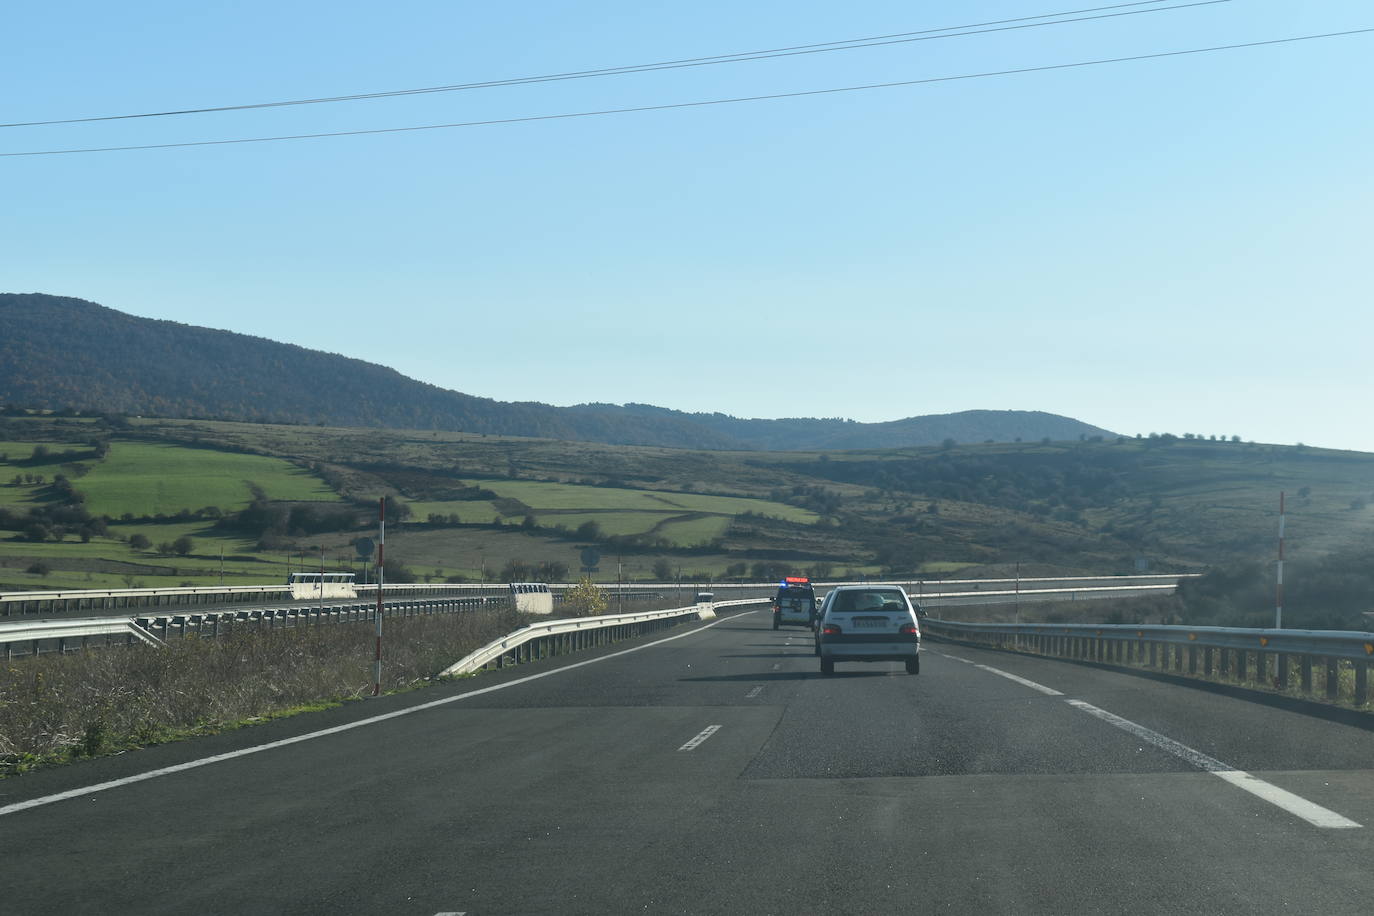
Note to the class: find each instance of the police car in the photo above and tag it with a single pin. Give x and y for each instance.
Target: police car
(795, 604)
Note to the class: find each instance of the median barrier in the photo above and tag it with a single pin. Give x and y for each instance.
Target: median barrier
(559, 637)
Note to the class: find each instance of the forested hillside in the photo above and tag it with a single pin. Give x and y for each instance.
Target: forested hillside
(58, 352)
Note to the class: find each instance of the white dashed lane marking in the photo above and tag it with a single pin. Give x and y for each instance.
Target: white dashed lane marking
(706, 732)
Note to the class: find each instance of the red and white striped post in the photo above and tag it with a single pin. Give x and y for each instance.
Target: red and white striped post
(1278, 584)
(381, 580)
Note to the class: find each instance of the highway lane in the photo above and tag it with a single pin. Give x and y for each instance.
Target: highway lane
(960, 790)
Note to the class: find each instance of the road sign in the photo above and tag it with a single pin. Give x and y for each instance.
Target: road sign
(364, 546)
(590, 557)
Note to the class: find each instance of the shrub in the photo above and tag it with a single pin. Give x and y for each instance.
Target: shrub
(101, 700)
(585, 599)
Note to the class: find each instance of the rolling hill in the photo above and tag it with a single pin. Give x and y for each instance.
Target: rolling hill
(58, 352)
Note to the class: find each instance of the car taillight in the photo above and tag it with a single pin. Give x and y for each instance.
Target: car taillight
(830, 629)
(909, 629)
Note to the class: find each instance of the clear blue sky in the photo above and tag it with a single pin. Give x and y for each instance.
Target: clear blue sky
(1175, 245)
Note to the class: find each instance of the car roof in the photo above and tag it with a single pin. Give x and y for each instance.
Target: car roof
(869, 588)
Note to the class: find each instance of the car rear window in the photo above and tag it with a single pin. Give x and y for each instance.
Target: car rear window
(796, 594)
(876, 600)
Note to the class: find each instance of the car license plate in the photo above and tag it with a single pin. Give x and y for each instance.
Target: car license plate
(870, 623)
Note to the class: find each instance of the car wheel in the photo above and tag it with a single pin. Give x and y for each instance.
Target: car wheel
(827, 666)
(913, 666)
(775, 623)
(818, 648)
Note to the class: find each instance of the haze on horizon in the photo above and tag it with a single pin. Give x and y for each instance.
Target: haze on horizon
(1172, 245)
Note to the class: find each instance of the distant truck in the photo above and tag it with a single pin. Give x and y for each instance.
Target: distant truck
(316, 585)
(532, 597)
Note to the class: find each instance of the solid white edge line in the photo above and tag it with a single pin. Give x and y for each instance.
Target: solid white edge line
(706, 732)
(1048, 691)
(1311, 812)
(309, 736)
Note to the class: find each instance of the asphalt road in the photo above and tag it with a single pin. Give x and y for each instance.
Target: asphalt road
(718, 772)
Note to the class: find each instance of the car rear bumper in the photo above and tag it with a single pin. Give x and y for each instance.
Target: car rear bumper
(869, 649)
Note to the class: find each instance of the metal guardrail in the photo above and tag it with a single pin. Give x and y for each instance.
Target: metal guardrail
(30, 602)
(1235, 654)
(61, 632)
(13, 603)
(1092, 591)
(301, 615)
(450, 595)
(26, 638)
(559, 637)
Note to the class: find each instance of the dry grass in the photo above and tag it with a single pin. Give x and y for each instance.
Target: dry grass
(55, 708)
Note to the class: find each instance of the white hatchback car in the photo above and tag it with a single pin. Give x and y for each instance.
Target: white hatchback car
(868, 623)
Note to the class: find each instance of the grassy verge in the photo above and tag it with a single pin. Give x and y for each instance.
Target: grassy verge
(54, 709)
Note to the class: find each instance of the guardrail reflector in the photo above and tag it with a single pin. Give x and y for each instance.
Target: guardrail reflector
(1264, 640)
(1192, 636)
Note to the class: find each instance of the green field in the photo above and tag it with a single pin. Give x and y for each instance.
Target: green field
(469, 511)
(109, 562)
(144, 479)
(618, 512)
(694, 531)
(18, 451)
(1063, 508)
(611, 523)
(539, 495)
(19, 496)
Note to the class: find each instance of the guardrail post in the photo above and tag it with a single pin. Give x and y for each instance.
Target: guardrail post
(1332, 678)
(1361, 682)
(1224, 663)
(1281, 674)
(1307, 674)
(1154, 651)
(1192, 659)
(1240, 663)
(1207, 661)
(1261, 667)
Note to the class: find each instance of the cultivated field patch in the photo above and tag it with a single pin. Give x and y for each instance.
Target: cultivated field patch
(541, 495)
(143, 478)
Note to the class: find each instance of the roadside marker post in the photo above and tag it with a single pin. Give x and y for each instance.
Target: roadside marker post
(1278, 584)
(381, 580)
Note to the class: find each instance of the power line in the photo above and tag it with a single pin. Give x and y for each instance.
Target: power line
(703, 103)
(849, 44)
